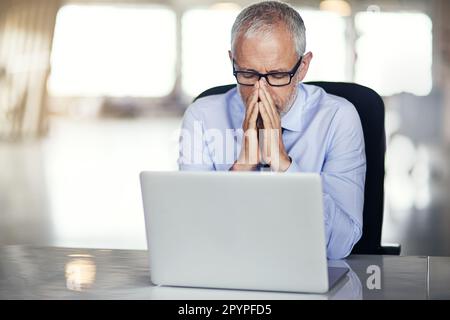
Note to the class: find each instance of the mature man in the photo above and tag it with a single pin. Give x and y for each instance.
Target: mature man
(305, 129)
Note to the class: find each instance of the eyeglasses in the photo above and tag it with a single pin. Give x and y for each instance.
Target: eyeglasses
(275, 79)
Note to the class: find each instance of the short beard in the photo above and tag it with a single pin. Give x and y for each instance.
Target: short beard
(290, 103)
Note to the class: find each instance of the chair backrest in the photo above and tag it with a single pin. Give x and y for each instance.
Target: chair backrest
(370, 108)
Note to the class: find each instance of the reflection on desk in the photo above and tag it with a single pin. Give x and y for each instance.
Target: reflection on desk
(63, 273)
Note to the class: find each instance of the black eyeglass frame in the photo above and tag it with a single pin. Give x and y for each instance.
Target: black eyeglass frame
(266, 75)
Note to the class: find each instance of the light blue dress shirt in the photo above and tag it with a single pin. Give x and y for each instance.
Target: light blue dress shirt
(322, 133)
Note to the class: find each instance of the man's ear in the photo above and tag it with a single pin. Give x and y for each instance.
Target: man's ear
(304, 66)
(230, 55)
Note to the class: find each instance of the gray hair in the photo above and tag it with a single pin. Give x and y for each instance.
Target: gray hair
(262, 16)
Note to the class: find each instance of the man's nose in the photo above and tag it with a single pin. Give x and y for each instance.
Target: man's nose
(263, 81)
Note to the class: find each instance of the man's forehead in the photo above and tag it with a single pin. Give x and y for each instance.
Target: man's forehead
(274, 48)
(269, 53)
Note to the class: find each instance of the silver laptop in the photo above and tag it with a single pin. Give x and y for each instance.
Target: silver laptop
(246, 230)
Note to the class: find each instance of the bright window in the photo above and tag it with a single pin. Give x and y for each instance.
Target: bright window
(206, 40)
(394, 52)
(113, 51)
(325, 38)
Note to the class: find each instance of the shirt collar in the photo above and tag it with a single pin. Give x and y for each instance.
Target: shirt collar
(292, 120)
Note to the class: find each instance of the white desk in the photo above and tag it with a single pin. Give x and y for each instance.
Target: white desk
(61, 273)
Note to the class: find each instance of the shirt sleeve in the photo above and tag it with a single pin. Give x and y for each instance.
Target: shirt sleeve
(193, 150)
(343, 178)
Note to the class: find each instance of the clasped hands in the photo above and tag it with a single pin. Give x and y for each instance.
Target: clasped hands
(262, 143)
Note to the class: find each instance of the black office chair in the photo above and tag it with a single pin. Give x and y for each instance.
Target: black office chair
(370, 108)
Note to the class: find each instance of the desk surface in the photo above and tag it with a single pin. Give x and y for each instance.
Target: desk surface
(62, 273)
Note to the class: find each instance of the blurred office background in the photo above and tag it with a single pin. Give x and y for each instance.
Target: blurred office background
(92, 92)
